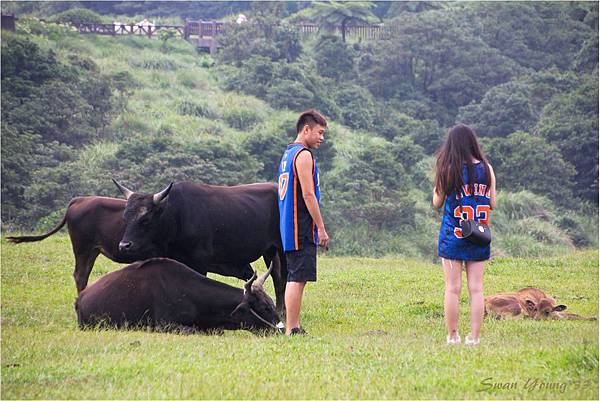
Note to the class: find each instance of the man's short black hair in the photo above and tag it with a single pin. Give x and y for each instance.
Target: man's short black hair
(311, 117)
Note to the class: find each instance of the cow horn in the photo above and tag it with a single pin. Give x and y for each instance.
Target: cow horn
(126, 192)
(157, 198)
(248, 284)
(261, 280)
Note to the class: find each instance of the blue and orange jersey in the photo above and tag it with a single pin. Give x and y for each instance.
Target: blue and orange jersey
(295, 222)
(475, 206)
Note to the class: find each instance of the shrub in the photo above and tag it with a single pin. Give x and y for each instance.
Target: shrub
(267, 142)
(581, 226)
(188, 79)
(357, 105)
(164, 35)
(78, 16)
(124, 81)
(334, 58)
(520, 205)
(205, 61)
(155, 64)
(191, 108)
(241, 118)
(289, 95)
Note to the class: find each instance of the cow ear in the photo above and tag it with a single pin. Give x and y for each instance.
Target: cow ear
(559, 308)
(530, 305)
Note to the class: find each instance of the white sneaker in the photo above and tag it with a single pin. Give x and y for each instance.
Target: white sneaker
(470, 341)
(453, 340)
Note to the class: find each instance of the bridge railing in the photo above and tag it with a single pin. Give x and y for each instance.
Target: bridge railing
(124, 29)
(362, 31)
(213, 28)
(203, 28)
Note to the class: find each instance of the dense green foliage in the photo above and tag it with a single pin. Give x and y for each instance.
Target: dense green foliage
(77, 110)
(50, 109)
(78, 16)
(376, 332)
(181, 9)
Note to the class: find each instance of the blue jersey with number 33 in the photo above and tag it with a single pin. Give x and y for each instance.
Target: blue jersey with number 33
(295, 223)
(451, 245)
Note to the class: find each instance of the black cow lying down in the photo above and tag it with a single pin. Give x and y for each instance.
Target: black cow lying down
(164, 294)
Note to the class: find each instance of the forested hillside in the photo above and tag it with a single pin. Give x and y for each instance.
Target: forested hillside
(77, 110)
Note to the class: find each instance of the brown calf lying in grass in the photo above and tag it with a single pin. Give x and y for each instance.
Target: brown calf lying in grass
(527, 302)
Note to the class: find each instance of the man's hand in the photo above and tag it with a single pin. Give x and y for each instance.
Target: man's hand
(323, 237)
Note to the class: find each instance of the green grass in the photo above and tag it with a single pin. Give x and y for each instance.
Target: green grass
(376, 332)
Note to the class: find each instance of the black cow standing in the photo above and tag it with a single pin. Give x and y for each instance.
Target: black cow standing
(165, 294)
(209, 228)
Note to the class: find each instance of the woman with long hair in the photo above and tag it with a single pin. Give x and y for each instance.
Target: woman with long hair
(465, 186)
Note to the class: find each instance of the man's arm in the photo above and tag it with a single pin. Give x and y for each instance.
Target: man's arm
(304, 169)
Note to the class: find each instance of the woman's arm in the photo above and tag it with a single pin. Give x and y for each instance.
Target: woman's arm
(438, 200)
(492, 188)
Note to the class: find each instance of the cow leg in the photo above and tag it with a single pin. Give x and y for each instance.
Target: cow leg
(84, 261)
(279, 276)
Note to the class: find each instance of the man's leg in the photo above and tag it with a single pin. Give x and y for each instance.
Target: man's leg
(293, 302)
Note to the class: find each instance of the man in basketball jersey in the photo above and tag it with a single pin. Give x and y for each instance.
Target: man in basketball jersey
(301, 224)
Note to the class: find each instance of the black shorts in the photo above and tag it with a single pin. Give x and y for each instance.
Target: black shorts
(302, 264)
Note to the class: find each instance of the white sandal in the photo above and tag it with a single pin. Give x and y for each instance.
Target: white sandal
(470, 341)
(453, 340)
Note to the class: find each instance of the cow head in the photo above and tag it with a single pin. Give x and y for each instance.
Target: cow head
(144, 236)
(547, 309)
(257, 311)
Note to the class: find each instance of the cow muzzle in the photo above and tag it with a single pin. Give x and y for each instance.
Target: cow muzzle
(125, 246)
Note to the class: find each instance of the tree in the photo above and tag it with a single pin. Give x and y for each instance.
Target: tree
(526, 162)
(263, 35)
(334, 58)
(371, 188)
(49, 109)
(517, 105)
(534, 34)
(504, 109)
(78, 16)
(393, 124)
(570, 121)
(357, 106)
(330, 15)
(434, 55)
(292, 95)
(398, 7)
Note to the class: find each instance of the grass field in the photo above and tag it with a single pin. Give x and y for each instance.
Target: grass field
(376, 331)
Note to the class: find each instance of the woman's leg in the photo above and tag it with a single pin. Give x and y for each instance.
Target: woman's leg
(452, 278)
(475, 283)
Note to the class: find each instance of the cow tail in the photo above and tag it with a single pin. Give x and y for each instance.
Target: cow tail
(33, 238)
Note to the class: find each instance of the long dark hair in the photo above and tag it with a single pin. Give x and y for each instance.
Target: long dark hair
(461, 147)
